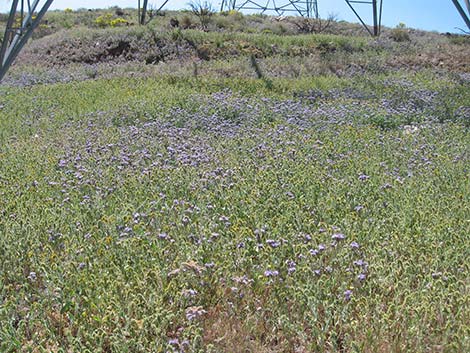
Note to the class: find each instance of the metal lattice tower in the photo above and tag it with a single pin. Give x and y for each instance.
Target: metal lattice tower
(377, 9)
(308, 8)
(142, 11)
(24, 17)
(304, 8)
(464, 14)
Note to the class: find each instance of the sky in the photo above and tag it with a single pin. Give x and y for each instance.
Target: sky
(434, 15)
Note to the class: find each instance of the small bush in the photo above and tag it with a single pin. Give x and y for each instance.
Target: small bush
(223, 23)
(400, 33)
(204, 51)
(459, 39)
(186, 22)
(108, 20)
(118, 11)
(314, 25)
(203, 11)
(385, 122)
(174, 22)
(279, 29)
(236, 14)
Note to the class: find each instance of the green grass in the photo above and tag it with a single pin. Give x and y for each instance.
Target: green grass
(161, 211)
(114, 292)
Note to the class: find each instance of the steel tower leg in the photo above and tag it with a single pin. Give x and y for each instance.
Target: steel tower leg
(143, 12)
(227, 5)
(17, 35)
(465, 15)
(377, 7)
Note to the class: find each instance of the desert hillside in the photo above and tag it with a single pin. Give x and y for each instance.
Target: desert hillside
(221, 182)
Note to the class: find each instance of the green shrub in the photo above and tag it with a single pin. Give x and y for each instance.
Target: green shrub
(203, 11)
(385, 122)
(236, 14)
(314, 25)
(223, 22)
(400, 33)
(459, 39)
(186, 22)
(108, 20)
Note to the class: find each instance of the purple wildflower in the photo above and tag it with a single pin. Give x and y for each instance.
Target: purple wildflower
(291, 266)
(273, 243)
(243, 279)
(354, 245)
(194, 312)
(360, 263)
(185, 220)
(188, 293)
(313, 252)
(358, 208)
(348, 294)
(338, 236)
(259, 231)
(271, 273)
(224, 219)
(174, 342)
(162, 236)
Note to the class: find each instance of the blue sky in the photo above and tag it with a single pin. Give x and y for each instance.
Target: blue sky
(439, 15)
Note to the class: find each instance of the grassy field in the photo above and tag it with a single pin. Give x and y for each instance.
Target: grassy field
(243, 192)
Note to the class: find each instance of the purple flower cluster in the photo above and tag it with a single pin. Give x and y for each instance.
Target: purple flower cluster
(195, 312)
(273, 243)
(271, 273)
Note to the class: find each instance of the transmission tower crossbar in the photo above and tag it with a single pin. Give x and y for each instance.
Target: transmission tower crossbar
(21, 23)
(304, 8)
